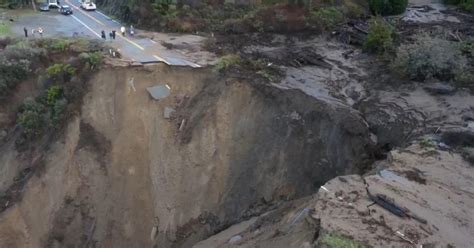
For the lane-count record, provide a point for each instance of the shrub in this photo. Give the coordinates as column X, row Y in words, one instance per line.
column 95, row 59
column 337, row 241
column 52, row 95
column 327, row 18
column 227, row 61
column 63, row 71
column 380, row 37
column 58, row 112
column 32, row 118
column 388, row 7
column 60, row 45
column 429, row 57
column 353, row 10
column 467, row 5
column 11, row 74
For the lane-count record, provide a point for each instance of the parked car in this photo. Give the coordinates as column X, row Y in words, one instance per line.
column 44, row 7
column 65, row 10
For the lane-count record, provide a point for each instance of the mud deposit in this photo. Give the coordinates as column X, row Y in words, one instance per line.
column 125, row 174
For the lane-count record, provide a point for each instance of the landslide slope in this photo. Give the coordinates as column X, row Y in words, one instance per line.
column 123, row 175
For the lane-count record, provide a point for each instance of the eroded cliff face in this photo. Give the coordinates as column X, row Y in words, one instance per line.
column 123, row 175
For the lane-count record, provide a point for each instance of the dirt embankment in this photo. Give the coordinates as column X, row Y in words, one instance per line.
column 433, row 187
column 124, row 175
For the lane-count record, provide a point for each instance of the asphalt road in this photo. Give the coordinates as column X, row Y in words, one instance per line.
column 138, row 49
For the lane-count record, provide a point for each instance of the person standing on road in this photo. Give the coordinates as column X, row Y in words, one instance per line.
column 40, row 31
column 122, row 29
column 113, row 34
column 132, row 30
column 26, row 32
column 103, row 34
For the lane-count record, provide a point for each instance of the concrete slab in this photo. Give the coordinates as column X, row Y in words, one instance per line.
column 159, row 92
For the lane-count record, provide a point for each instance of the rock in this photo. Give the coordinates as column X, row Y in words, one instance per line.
column 440, row 89
column 390, row 122
column 235, row 240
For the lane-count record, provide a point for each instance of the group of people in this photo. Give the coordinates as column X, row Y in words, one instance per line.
column 112, row 34
column 33, row 32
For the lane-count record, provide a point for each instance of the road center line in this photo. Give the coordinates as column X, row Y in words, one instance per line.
column 133, row 43
column 93, row 18
column 85, row 25
column 83, row 12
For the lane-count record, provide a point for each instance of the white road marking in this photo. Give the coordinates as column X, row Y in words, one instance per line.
column 85, row 25
column 152, row 41
column 85, row 13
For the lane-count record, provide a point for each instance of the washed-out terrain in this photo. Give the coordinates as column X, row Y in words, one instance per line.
column 291, row 140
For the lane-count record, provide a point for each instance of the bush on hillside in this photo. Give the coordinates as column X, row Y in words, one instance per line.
column 327, row 18
column 467, row 5
column 62, row 72
column 32, row 118
column 388, row 7
column 11, row 74
column 228, row 61
column 380, row 37
column 430, row 57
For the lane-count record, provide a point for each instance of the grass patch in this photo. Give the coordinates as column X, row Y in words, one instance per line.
column 327, row 18
column 5, row 29
column 336, row 241
column 227, row 61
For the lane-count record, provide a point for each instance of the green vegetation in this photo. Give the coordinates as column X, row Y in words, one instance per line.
column 227, row 61
column 388, row 7
column 60, row 45
column 61, row 71
column 17, row 61
column 467, row 5
column 430, row 57
column 4, row 29
column 33, row 118
column 327, row 18
column 95, row 59
column 426, row 143
column 337, row 241
column 61, row 85
column 53, row 94
column 467, row 48
column 380, row 37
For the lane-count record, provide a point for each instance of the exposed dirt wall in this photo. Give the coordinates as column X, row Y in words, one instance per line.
column 125, row 176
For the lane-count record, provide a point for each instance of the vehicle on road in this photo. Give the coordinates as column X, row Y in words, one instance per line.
column 44, row 7
column 53, row 4
column 88, row 5
column 65, row 10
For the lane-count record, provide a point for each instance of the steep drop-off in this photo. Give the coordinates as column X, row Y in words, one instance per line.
column 123, row 175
